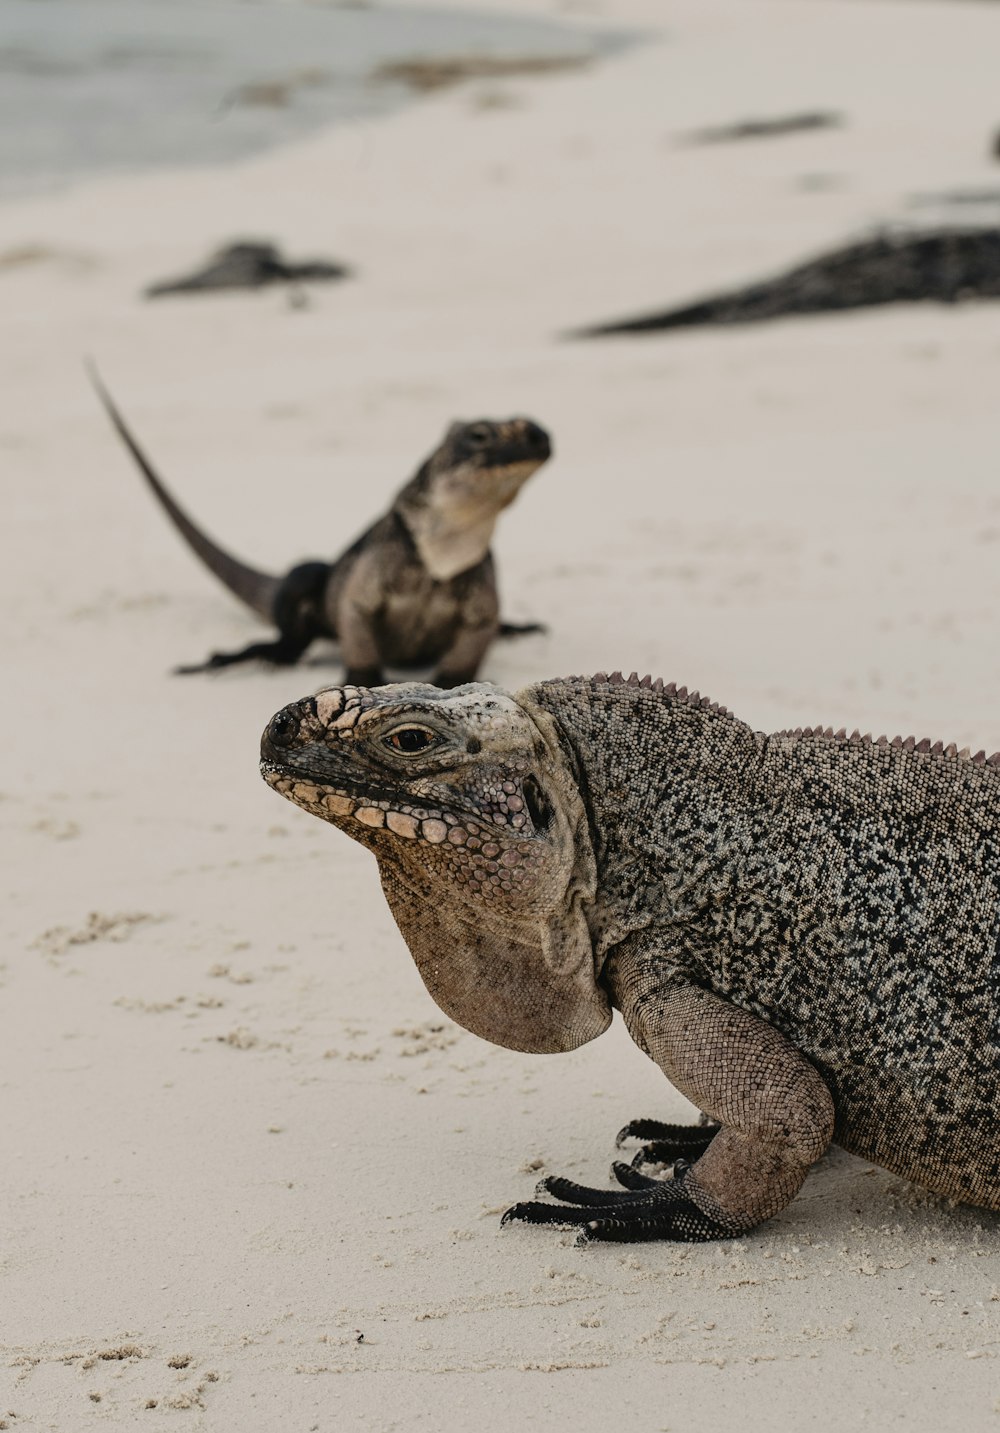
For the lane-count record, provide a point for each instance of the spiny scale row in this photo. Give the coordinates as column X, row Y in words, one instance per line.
column 669, row 689
column 681, row 694
column 908, row 743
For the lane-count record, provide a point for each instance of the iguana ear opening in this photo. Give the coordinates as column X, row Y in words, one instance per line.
column 539, row 807
column 530, row 988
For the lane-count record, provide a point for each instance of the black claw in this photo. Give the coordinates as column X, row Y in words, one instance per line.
column 520, row 629
column 511, row 1214
column 533, row 1212
column 617, row 1231
column 679, row 1221
column 571, row 1193
column 656, row 1132
column 641, row 1208
column 190, row 670
column 629, row 1176
column 664, row 1144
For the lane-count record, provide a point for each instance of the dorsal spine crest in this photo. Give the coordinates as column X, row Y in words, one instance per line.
column 681, row 694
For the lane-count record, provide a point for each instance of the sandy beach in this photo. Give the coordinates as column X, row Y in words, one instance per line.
column 252, row 1178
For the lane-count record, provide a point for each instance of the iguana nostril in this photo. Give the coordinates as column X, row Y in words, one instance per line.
column 537, row 438
column 282, row 729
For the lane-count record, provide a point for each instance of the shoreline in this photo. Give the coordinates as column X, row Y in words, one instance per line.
column 149, row 86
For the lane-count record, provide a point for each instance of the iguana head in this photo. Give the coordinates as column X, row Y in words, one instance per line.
column 453, row 502
column 472, row 813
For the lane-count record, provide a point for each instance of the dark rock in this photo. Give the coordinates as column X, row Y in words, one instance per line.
column 941, row 266
column 766, row 128
column 944, row 198
column 248, row 266
column 429, row 73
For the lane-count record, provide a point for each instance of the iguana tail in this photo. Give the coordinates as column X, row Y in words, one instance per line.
column 256, row 589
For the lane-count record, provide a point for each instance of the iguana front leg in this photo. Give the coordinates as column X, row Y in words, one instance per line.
column 283, row 651
column 353, row 618
column 359, row 648
column 775, row 1112
column 460, row 663
column 478, row 625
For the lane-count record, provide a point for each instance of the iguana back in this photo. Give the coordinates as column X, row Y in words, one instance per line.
column 845, row 890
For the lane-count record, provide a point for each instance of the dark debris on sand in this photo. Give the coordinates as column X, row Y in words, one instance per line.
column 248, row 265
column 427, row 74
column 772, row 128
column 939, row 266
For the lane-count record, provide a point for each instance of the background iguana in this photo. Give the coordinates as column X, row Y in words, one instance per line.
column 950, row 265
column 417, row 589
column 800, row 929
column 248, row 264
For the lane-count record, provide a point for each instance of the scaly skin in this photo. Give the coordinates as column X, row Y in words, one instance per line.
column 417, row 589
column 800, row 929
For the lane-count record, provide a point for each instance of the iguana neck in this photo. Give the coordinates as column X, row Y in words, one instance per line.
column 527, row 982
column 526, row 986
column 662, row 768
column 451, row 514
column 447, row 541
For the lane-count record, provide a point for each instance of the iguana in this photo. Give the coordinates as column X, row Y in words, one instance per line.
column 417, row 588
column 247, row 265
column 949, row 265
column 800, row 929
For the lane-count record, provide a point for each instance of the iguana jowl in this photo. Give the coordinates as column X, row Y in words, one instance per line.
column 800, row 929
column 418, row 589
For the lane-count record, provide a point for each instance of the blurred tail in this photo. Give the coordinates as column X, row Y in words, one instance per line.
column 256, row 589
column 691, row 316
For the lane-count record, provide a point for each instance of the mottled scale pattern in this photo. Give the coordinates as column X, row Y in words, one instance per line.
column 845, row 890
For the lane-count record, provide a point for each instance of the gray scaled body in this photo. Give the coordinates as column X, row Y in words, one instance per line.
column 800, row 929
column 417, row 589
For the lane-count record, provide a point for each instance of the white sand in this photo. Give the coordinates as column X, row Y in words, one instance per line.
column 238, row 1133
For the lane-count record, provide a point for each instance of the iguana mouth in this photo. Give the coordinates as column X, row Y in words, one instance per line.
column 377, row 808
column 274, row 772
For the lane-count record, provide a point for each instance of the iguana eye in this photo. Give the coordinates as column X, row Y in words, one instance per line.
column 410, row 739
column 477, row 435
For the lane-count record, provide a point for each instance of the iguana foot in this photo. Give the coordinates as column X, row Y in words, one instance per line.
column 520, row 629
column 364, row 677
column 646, row 1209
column 447, row 681
column 280, row 653
column 666, row 1143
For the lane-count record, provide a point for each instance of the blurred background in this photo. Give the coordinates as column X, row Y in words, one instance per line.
column 238, row 1131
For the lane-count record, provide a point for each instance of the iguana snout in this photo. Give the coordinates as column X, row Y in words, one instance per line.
column 482, row 465
column 494, row 443
column 482, row 846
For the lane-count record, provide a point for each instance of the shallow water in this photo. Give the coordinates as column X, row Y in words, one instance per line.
column 89, row 85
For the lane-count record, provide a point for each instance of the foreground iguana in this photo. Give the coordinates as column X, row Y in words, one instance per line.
column 800, row 929
column 417, row 589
